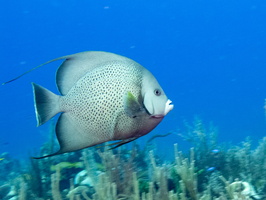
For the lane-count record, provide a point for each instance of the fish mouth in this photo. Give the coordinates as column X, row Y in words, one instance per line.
column 168, row 107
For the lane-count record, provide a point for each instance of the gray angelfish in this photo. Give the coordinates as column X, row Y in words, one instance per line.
column 104, row 97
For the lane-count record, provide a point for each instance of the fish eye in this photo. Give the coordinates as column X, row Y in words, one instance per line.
column 157, row 92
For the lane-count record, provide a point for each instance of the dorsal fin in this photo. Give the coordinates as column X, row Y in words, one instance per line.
column 60, row 58
column 77, row 65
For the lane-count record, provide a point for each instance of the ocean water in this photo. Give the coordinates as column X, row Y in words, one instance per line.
column 209, row 57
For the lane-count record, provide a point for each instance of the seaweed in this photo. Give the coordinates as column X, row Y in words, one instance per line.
column 209, row 170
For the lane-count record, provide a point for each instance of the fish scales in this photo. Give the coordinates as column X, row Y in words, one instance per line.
column 101, row 92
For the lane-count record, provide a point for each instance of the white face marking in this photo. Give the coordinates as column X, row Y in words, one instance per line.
column 155, row 101
column 168, row 107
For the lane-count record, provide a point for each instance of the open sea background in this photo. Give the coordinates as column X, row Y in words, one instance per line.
column 208, row 55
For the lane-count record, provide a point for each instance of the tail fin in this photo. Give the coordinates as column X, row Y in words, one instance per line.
column 46, row 104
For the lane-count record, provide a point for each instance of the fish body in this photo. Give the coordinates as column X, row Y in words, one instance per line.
column 103, row 97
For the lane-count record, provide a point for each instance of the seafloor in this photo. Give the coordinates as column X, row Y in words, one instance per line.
column 209, row 171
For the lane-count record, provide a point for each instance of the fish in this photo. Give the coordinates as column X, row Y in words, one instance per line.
column 215, row 151
column 65, row 165
column 210, row 169
column 103, row 97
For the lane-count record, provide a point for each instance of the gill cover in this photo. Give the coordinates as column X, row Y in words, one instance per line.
column 154, row 98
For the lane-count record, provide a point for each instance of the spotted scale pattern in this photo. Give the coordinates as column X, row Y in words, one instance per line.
column 95, row 103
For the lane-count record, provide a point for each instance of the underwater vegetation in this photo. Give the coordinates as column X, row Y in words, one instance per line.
column 208, row 171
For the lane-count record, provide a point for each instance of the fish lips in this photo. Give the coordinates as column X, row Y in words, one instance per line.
column 168, row 107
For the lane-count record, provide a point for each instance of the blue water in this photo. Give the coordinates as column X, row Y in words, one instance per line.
column 209, row 56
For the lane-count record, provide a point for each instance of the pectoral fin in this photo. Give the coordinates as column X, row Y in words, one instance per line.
column 132, row 106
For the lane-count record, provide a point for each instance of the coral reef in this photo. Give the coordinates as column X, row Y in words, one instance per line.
column 208, row 171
